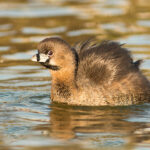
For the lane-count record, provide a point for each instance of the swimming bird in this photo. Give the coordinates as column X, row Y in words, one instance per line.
column 92, row 74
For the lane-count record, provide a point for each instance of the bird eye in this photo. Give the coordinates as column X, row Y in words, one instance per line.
column 50, row 53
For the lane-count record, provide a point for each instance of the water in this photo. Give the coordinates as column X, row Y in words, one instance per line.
column 28, row 118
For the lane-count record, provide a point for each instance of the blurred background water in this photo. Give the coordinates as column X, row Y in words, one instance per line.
column 28, row 118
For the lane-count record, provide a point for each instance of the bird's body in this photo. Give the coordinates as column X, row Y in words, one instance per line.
column 93, row 74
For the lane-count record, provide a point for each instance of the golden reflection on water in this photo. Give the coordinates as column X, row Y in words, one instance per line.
column 96, row 126
column 25, row 113
column 81, row 123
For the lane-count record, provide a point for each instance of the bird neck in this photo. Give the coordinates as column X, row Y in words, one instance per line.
column 63, row 83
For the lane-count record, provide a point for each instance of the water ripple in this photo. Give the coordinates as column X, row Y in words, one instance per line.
column 33, row 12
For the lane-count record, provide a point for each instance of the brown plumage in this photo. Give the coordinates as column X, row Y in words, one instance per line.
column 93, row 74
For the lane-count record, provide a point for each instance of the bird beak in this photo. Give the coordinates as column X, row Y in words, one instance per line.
column 40, row 58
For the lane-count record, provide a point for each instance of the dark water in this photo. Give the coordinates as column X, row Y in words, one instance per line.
column 28, row 119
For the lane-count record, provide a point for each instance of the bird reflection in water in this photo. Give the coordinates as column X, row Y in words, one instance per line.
column 105, row 123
